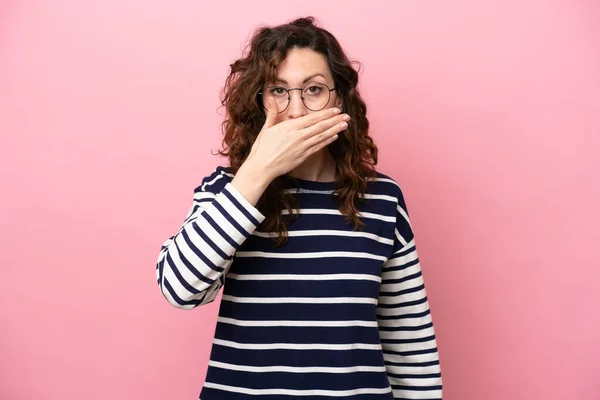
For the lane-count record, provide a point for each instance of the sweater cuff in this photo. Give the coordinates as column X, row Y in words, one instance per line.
column 251, row 212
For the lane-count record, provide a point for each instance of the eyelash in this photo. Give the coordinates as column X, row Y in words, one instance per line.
column 281, row 87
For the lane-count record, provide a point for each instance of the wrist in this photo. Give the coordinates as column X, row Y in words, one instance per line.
column 256, row 173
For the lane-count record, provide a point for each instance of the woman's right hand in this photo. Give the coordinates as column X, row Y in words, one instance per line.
column 281, row 147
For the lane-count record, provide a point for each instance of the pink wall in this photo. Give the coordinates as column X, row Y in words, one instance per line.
column 488, row 115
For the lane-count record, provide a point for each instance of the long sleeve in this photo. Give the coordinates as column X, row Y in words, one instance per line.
column 404, row 319
column 192, row 263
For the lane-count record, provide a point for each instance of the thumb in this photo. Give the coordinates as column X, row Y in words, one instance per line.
column 272, row 111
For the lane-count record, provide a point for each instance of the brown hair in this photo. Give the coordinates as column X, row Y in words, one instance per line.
column 354, row 151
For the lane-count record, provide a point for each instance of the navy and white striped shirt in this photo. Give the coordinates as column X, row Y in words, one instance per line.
column 334, row 313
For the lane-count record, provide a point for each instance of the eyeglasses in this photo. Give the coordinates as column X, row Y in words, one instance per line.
column 315, row 96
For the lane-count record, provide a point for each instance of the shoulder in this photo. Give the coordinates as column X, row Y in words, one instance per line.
column 385, row 184
column 403, row 228
column 216, row 180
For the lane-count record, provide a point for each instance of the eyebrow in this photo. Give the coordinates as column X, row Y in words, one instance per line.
column 304, row 81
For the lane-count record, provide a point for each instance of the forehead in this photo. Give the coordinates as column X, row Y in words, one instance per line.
column 300, row 63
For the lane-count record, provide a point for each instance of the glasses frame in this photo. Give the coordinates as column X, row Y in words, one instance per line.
column 289, row 97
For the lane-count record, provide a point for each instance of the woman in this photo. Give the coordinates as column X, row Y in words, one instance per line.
column 322, row 289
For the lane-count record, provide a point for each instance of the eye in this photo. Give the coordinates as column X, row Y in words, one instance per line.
column 277, row 91
column 313, row 89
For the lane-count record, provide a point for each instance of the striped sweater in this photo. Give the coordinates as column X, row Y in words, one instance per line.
column 334, row 313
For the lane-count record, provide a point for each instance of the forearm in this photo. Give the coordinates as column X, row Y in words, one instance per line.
column 192, row 263
column 406, row 329
column 251, row 181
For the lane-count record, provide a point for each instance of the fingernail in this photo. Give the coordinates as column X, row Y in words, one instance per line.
column 335, row 111
column 346, row 117
column 343, row 125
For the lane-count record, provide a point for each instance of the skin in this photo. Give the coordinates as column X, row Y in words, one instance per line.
column 298, row 65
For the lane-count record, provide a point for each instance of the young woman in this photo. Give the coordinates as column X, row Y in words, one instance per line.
column 323, row 295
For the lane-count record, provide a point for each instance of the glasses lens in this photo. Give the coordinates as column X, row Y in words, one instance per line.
column 316, row 96
column 278, row 95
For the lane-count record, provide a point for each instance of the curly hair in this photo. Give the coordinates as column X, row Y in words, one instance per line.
column 354, row 152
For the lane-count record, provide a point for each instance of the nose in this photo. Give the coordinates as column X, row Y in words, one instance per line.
column 296, row 107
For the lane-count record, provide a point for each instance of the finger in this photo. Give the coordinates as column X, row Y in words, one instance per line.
column 324, row 137
column 319, row 146
column 323, row 126
column 313, row 118
column 272, row 111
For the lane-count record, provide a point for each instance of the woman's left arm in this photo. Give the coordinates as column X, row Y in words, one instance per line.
column 404, row 318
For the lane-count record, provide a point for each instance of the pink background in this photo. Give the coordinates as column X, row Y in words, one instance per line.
column 487, row 114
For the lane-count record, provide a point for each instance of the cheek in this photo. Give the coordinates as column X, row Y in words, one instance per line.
column 334, row 101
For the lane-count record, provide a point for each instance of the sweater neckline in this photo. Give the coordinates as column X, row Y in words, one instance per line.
column 306, row 184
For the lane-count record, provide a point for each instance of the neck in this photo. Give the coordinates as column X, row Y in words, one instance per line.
column 319, row 167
